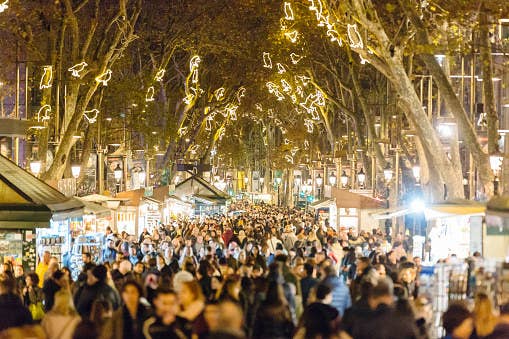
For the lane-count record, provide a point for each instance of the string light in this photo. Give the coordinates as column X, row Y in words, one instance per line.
column 189, row 99
column 46, row 110
column 231, row 111
column 208, row 123
column 258, row 106
column 295, row 58
column 194, row 149
column 354, row 36
column 280, row 68
column 363, row 61
column 294, row 98
column 292, row 36
column 306, row 144
column 77, row 69
column 267, row 61
column 294, row 151
column 318, row 9
column 289, row 158
column 159, row 75
column 277, row 122
column 91, row 115
column 182, row 131
column 104, row 78
column 286, row 141
column 283, row 130
column 300, row 91
column 46, row 78
column 270, row 112
column 286, row 86
column 194, row 62
column 289, row 12
column 303, row 79
column 334, row 36
column 219, row 93
column 241, row 93
column 309, row 125
column 4, row 5
column 274, row 89
column 150, row 94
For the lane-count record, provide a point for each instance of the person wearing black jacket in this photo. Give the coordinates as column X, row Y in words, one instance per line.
column 95, row 289
column 51, row 286
column 12, row 311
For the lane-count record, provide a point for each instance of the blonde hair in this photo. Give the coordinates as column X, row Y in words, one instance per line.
column 63, row 303
column 484, row 318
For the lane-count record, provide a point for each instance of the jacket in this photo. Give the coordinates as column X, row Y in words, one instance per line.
column 341, row 299
column 87, row 294
column 115, row 328
column 12, row 312
column 58, row 326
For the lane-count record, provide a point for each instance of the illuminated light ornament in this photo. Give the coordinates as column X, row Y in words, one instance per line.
column 241, row 93
column 319, row 98
column 300, row 91
column 292, row 36
column 182, row 131
column 306, row 144
column 282, row 22
column 4, row 5
column 150, row 94
column 194, row 62
column 294, row 98
column 206, row 110
column 325, row 22
column 277, row 122
column 286, row 141
column 303, row 79
column 265, row 141
column 77, row 69
column 208, row 123
column 334, row 37
column 354, row 36
column 91, row 115
column 309, row 125
column 280, row 68
column 267, row 61
column 104, row 78
column 363, row 61
column 231, row 111
column 283, row 130
column 286, row 86
column 219, row 93
column 316, row 5
column 270, row 112
column 46, row 78
column 289, row 158
column 44, row 113
column 289, row 12
column 188, row 99
column 194, row 149
column 159, row 75
column 274, row 89
column 194, row 76
column 197, row 91
column 295, row 58
column 259, row 107
column 294, row 151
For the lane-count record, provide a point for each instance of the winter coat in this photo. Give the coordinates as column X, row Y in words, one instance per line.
column 266, row 325
column 57, row 326
column 12, row 312
column 341, row 299
column 87, row 294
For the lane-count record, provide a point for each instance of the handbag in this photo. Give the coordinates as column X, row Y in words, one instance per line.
column 36, row 311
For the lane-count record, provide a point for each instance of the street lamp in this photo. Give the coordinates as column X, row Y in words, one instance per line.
column 319, row 182
column 388, row 172
column 344, row 179
column 495, row 164
column 117, row 172
column 35, row 167
column 142, row 175
column 76, row 170
column 246, row 180
column 361, row 177
column 278, row 183
column 261, row 181
column 332, row 179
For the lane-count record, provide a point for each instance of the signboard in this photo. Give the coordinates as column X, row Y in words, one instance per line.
column 87, row 186
column 111, row 164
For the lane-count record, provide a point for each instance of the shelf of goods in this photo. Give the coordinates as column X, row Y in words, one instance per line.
column 90, row 243
column 53, row 244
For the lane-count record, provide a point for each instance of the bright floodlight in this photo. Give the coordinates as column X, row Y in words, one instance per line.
column 417, row 205
column 76, row 170
column 495, row 162
column 445, row 130
column 35, row 167
column 278, row 181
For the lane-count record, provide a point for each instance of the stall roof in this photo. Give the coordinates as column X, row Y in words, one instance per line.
column 101, row 198
column 135, row 197
column 98, row 210
column 321, row 203
column 197, row 186
column 27, row 202
column 347, row 199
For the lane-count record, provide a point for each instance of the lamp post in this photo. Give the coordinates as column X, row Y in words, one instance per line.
column 361, row 177
column 332, row 179
column 76, row 170
column 416, row 170
column 344, row 179
column 117, row 172
column 142, row 176
column 495, row 164
column 319, row 182
column 388, row 173
column 246, row 181
column 278, row 183
column 296, row 188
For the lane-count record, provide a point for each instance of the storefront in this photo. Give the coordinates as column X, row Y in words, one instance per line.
column 205, row 198
column 138, row 212
column 27, row 205
column 326, row 212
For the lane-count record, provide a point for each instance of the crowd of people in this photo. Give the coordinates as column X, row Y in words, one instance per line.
column 260, row 272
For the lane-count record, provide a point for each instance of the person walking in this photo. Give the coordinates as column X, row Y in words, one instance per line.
column 61, row 321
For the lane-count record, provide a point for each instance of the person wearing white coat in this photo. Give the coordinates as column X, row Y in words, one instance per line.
column 61, row 321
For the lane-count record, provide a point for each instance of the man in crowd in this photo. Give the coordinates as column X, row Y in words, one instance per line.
column 42, row 267
column 164, row 323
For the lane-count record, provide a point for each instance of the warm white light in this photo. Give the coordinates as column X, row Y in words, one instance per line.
column 361, row 176
column 417, row 205
column 117, row 172
column 496, row 162
column 319, row 180
column 35, row 167
column 141, row 177
column 388, row 172
column 344, row 179
column 76, row 170
column 278, row 181
column 416, row 170
column 332, row 179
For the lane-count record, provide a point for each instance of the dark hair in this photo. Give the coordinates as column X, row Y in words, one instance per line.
column 322, row 290
column 34, row 277
column 7, row 283
column 164, row 290
column 309, row 268
column 86, row 329
column 58, row 274
column 131, row 283
column 87, row 254
column 455, row 314
column 384, row 287
column 364, row 260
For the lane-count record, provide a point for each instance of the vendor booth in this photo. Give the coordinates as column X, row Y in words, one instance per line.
column 173, row 208
column 326, row 212
column 354, row 210
column 496, row 233
column 27, row 204
column 138, row 212
column 206, row 198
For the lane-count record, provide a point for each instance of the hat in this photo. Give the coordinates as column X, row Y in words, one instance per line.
column 100, row 272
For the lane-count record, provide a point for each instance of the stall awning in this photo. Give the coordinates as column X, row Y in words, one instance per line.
column 27, row 202
column 209, row 200
column 441, row 210
column 96, row 209
column 347, row 199
column 324, row 203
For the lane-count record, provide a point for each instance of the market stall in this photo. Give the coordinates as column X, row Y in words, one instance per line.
column 206, row 198
column 27, row 204
column 138, row 212
column 326, row 212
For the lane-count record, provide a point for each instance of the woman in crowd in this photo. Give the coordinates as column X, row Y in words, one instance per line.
column 127, row 321
column 457, row 322
column 192, row 303
column 33, row 296
column 273, row 318
column 230, row 289
column 61, row 321
column 485, row 319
